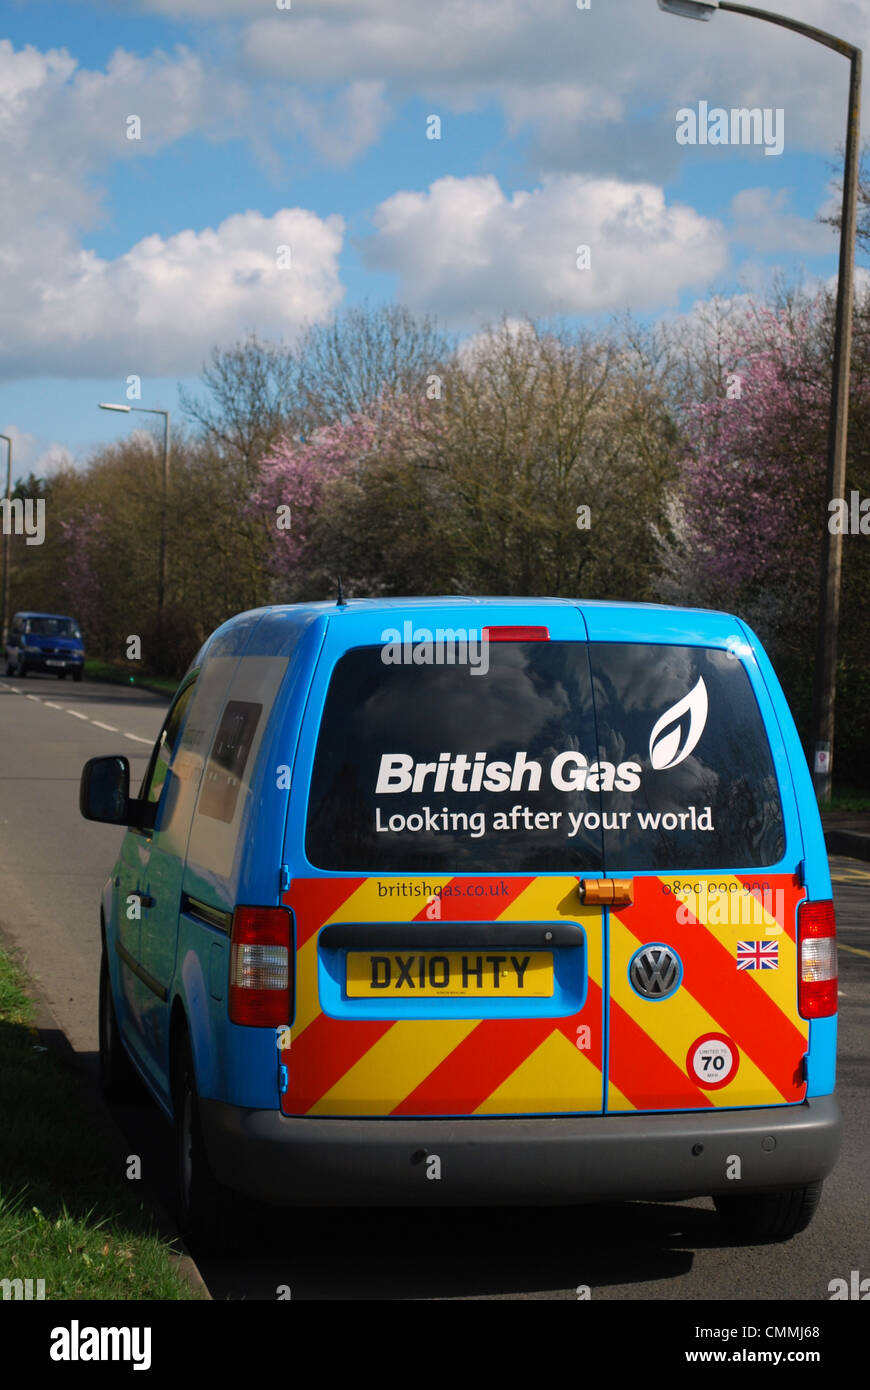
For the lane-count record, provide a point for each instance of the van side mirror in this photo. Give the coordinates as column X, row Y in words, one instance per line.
column 105, row 790
column 104, row 793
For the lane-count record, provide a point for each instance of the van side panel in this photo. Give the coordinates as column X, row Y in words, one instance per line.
column 822, row 1053
column 235, row 847
column 817, row 873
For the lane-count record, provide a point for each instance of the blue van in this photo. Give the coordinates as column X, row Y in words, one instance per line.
column 50, row 642
column 476, row 900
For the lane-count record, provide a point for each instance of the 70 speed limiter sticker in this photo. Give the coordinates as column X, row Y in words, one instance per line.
column 712, row 1061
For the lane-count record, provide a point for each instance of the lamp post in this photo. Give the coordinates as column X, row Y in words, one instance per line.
column 161, row 581
column 7, row 529
column 825, row 684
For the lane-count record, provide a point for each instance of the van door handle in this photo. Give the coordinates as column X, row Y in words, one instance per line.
column 145, row 898
column 606, row 892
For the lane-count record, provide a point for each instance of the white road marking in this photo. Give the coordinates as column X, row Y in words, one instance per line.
column 50, row 704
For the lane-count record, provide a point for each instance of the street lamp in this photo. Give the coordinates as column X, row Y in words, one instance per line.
column 161, row 583
column 825, row 685
column 7, row 536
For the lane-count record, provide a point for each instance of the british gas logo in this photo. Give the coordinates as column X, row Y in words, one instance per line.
column 674, row 736
column 568, row 771
column 668, row 745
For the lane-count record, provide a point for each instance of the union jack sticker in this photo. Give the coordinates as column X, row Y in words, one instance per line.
column 758, row 955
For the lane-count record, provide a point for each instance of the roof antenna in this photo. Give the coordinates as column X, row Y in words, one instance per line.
column 341, row 600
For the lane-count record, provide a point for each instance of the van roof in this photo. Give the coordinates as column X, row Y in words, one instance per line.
column 35, row 613
column 604, row 620
column 465, row 601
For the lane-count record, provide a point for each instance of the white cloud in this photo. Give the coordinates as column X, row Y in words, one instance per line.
column 763, row 221
column 166, row 301
column 163, row 303
column 465, row 249
column 596, row 89
column 339, row 128
column 569, row 75
column 30, row 454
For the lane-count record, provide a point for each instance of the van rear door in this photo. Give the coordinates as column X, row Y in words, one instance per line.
column 703, row 964
column 433, row 978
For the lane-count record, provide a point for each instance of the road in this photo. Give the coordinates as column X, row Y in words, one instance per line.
column 52, row 867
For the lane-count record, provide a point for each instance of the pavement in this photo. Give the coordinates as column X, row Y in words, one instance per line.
column 847, row 832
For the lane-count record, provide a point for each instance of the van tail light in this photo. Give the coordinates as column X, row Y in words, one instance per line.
column 817, row 947
column 260, row 980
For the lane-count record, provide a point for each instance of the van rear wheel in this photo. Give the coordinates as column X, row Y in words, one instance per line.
column 205, row 1206
column 769, row 1216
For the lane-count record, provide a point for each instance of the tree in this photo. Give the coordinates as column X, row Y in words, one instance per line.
column 751, row 502
column 477, row 488
column 862, row 222
column 350, row 500
column 252, row 392
column 364, row 355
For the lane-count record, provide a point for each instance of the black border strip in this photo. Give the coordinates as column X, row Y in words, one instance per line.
column 465, row 935
column 141, row 973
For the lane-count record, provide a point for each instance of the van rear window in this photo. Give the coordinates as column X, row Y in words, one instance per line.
column 707, row 795
column 452, row 769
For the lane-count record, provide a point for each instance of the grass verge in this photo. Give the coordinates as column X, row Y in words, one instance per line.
column 68, row 1216
column 848, row 801
column 127, row 673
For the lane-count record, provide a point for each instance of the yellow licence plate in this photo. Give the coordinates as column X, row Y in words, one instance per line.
column 426, row 974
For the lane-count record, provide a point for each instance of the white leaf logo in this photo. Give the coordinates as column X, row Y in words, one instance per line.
column 664, row 741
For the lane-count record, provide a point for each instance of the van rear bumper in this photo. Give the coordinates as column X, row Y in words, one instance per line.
column 293, row 1161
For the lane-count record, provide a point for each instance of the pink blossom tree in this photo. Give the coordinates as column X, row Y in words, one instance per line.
column 313, row 476
column 753, row 482
column 81, row 582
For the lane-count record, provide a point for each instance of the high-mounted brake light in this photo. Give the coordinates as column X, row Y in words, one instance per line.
column 817, row 959
column 260, row 980
column 517, row 634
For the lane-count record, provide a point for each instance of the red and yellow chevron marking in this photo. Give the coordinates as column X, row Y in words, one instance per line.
column 444, row 1066
column 756, row 1008
column 498, row 1066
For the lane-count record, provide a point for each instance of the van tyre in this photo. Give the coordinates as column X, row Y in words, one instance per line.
column 77, row 675
column 205, row 1206
column 118, row 1080
column 771, row 1215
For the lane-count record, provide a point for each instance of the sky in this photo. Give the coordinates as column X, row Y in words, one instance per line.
column 175, row 174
